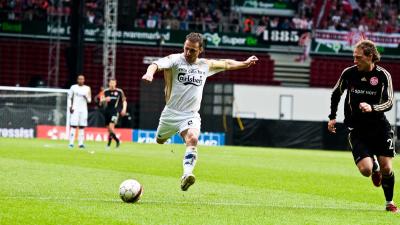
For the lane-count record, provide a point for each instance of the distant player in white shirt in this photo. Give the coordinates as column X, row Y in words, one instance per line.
column 78, row 97
column 185, row 75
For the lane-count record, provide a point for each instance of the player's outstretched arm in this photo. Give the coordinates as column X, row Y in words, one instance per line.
column 229, row 64
column 151, row 70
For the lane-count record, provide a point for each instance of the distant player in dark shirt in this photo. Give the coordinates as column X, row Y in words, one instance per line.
column 369, row 95
column 115, row 106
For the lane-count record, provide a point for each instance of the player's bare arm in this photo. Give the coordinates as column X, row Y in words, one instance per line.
column 229, row 64
column 124, row 104
column 151, row 70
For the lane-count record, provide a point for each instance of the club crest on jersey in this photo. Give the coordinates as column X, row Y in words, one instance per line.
column 190, row 79
column 373, row 81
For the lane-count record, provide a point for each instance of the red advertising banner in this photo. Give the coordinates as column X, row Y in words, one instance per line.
column 91, row 133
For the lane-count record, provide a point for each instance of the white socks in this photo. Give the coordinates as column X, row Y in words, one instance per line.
column 189, row 161
column 71, row 135
column 81, row 136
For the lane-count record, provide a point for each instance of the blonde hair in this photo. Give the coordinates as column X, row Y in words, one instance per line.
column 369, row 48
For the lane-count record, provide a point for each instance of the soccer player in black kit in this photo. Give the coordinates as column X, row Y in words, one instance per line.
column 115, row 101
column 369, row 95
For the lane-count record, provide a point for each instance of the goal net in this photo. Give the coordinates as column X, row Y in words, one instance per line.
column 21, row 109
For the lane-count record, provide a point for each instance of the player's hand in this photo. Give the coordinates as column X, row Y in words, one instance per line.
column 147, row 78
column 107, row 99
column 251, row 60
column 331, row 126
column 365, row 107
column 123, row 113
column 71, row 110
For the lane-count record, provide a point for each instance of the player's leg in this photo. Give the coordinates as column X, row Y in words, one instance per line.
column 385, row 161
column 365, row 166
column 111, row 130
column 190, row 132
column 388, row 181
column 111, row 120
column 74, row 122
column 361, row 155
column 107, row 117
column 81, row 137
column 82, row 125
column 368, row 166
column 191, row 138
column 111, row 133
column 114, row 122
column 72, row 131
column 365, row 161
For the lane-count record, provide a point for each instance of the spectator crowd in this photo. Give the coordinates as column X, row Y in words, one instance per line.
column 220, row 15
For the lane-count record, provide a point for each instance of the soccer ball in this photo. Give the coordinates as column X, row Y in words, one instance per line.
column 130, row 191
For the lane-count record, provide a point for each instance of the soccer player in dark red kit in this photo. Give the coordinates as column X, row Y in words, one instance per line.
column 369, row 95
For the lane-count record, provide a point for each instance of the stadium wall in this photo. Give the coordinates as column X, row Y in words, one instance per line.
column 264, row 122
column 308, row 104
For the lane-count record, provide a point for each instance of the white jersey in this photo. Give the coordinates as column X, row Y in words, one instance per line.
column 187, row 81
column 79, row 96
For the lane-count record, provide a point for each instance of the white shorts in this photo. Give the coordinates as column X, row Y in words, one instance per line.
column 79, row 119
column 172, row 122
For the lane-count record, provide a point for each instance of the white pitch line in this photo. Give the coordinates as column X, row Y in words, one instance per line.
column 247, row 204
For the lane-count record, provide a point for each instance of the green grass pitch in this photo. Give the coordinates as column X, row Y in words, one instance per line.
column 42, row 182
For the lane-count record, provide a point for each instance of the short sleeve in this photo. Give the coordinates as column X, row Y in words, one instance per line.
column 214, row 71
column 165, row 62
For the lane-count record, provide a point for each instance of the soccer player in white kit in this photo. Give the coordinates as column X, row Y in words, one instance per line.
column 78, row 97
column 185, row 75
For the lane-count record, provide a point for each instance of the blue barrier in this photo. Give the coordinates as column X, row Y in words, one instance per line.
column 206, row 138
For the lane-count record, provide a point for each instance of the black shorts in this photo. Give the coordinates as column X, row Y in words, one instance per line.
column 370, row 141
column 111, row 116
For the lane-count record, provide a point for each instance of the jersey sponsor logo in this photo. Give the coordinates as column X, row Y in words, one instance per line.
column 373, row 81
column 190, row 79
column 362, row 92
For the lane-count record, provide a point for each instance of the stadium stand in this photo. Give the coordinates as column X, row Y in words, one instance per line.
column 215, row 15
column 37, row 10
column 374, row 16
